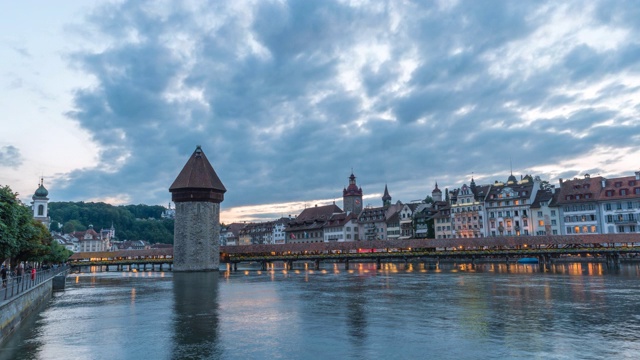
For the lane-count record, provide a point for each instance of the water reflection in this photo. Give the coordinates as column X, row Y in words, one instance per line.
column 196, row 324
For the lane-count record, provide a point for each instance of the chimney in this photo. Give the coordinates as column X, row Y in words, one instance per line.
column 560, row 181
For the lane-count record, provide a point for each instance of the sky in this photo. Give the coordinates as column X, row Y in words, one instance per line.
column 106, row 100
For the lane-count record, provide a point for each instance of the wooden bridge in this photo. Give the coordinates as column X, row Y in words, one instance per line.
column 610, row 248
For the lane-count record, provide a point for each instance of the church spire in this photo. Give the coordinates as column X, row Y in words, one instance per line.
column 386, row 198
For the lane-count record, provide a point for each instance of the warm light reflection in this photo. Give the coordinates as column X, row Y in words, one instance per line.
column 246, row 272
column 133, row 296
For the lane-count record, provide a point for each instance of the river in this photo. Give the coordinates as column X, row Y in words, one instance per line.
column 450, row 311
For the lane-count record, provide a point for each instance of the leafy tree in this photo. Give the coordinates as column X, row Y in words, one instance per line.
column 35, row 242
column 10, row 219
column 56, row 253
column 73, row 225
column 428, row 200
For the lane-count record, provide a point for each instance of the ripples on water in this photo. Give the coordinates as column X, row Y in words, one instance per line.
column 452, row 311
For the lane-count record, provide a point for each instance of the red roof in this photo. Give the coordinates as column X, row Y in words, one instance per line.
column 198, row 174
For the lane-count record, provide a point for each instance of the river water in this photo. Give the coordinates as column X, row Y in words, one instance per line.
column 452, row 311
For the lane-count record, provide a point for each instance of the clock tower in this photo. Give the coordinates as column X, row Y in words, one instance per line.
column 352, row 197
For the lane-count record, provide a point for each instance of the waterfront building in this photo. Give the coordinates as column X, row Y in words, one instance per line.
column 545, row 213
column 229, row 234
column 508, row 206
column 40, row 204
column 578, row 202
column 619, row 204
column 423, row 221
column 279, row 227
column 380, row 223
column 257, row 233
column 90, row 240
column 341, row 227
column 467, row 212
column 308, row 227
column 352, row 197
column 442, row 217
column 406, row 221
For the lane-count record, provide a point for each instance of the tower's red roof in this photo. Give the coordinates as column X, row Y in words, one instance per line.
column 198, row 174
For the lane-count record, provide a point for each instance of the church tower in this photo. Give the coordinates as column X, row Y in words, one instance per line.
column 41, row 204
column 386, row 198
column 436, row 194
column 197, row 193
column 352, row 197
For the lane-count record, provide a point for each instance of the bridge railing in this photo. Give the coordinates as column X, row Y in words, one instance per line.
column 15, row 285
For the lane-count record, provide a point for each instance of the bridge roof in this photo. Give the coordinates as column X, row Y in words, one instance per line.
column 122, row 253
column 503, row 241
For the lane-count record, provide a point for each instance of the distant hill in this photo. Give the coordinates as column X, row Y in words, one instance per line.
column 131, row 222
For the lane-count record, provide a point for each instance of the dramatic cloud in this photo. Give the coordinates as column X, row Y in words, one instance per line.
column 286, row 97
column 10, row 156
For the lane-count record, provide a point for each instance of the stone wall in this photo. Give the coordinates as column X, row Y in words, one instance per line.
column 14, row 311
column 196, row 244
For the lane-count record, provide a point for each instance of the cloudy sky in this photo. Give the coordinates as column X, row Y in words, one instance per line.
column 107, row 100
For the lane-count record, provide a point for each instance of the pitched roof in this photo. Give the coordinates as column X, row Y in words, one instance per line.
column 577, row 190
column 198, row 173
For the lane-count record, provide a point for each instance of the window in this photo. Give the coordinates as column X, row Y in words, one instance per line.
column 609, row 193
column 540, row 222
column 525, row 222
column 553, row 213
column 540, row 213
column 607, row 206
column 619, row 206
column 555, row 232
column 620, row 229
column 40, row 210
column 623, row 192
column 609, row 218
column 629, row 205
column 576, row 229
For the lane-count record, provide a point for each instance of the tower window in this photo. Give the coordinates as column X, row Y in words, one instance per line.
column 40, row 210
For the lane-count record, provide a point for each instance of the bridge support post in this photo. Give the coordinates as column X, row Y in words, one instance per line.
column 289, row 264
column 235, row 266
column 346, row 264
column 160, row 267
column 317, row 264
column 378, row 264
column 263, row 265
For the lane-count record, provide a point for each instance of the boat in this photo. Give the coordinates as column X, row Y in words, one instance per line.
column 528, row 260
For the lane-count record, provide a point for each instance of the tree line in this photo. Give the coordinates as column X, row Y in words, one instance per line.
column 131, row 222
column 22, row 238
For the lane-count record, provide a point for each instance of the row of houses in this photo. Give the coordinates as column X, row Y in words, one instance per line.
column 517, row 207
column 99, row 241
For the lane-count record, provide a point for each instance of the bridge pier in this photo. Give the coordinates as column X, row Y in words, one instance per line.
column 289, row 264
column 346, row 264
column 263, row 265
column 378, row 264
column 317, row 264
column 235, row 266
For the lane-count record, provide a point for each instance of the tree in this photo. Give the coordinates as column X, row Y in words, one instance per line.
column 72, row 226
column 428, row 200
column 9, row 222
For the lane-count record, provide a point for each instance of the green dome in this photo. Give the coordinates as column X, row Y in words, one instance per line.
column 41, row 192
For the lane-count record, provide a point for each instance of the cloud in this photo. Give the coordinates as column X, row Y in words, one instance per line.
column 10, row 157
column 287, row 97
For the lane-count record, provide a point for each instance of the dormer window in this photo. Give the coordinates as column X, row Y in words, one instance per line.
column 623, row 192
column 586, row 186
column 609, row 193
column 618, row 184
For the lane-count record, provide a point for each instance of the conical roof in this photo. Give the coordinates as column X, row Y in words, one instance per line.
column 386, row 195
column 197, row 179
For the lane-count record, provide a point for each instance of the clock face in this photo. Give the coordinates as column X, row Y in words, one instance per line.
column 357, row 201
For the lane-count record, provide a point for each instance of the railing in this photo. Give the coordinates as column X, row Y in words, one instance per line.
column 14, row 285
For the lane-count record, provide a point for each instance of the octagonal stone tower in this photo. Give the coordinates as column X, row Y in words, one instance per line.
column 197, row 193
